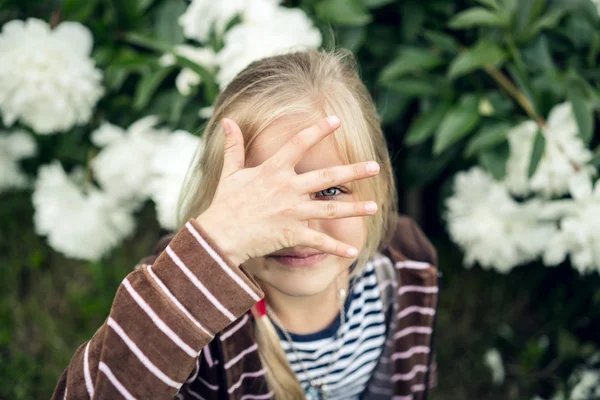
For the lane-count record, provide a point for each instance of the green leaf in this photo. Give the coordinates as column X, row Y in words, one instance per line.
column 167, row 28
column 583, row 113
column 208, row 81
column 548, row 21
column 351, row 38
column 458, row 122
column 343, row 12
column 443, row 41
column 377, row 3
column 539, row 146
column 391, row 105
column 476, row 16
column 486, row 137
column 413, row 86
column 148, row 42
column 494, row 160
column 411, row 59
column 490, row 3
column 425, row 125
column 483, row 53
column 148, row 86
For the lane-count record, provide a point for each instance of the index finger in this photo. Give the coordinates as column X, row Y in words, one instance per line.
column 292, row 152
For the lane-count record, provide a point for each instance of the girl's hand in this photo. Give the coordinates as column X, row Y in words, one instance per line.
column 257, row 211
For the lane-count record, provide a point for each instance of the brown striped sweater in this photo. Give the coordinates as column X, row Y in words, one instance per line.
column 179, row 327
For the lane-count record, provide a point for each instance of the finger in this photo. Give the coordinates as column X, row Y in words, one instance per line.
column 234, row 148
column 320, row 241
column 335, row 209
column 322, row 179
column 291, row 153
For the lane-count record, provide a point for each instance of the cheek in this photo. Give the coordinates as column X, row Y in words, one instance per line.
column 348, row 230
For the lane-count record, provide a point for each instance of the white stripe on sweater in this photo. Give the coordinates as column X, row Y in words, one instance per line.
column 244, row 376
column 167, row 292
column 411, row 264
column 192, row 378
column 221, row 263
column 194, row 394
column 86, row 372
column 417, row 309
column 409, row 397
column 208, row 356
column 410, row 375
column 424, row 330
column 160, row 324
column 410, row 352
column 199, row 284
column 418, row 289
column 257, row 396
column 141, row 356
column 234, row 329
column 242, row 353
column 208, row 385
column 113, row 379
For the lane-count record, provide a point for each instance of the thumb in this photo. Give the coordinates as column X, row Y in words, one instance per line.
column 234, row 148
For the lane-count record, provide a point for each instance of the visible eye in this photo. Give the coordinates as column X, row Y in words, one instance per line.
column 330, row 192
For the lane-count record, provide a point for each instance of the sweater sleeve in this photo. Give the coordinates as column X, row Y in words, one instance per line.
column 162, row 316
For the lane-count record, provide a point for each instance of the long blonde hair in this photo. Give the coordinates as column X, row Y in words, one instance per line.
column 311, row 85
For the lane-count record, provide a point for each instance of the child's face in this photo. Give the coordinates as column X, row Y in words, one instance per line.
column 277, row 272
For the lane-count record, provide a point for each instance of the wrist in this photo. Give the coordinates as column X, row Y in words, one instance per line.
column 224, row 240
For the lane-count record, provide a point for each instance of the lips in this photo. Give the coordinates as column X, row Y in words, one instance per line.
column 300, row 253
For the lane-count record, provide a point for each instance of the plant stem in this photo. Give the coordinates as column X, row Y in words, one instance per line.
column 520, row 98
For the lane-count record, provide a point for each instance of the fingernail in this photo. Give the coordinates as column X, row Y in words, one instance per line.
column 372, row 167
column 351, row 252
column 371, row 207
column 225, row 126
column 333, row 121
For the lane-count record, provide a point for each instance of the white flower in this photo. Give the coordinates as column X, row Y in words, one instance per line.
column 579, row 234
column 83, row 225
column 564, row 156
column 13, row 147
column 204, row 16
column 491, row 227
column 493, row 360
column 188, row 78
column 169, row 167
column 122, row 166
column 206, row 112
column 47, row 79
column 587, row 385
column 597, row 4
column 267, row 31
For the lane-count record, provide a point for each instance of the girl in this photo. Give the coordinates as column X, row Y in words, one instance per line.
column 293, row 200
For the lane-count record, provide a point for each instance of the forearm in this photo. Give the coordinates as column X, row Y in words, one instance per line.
column 161, row 318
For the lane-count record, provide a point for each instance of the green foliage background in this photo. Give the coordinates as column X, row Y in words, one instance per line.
column 449, row 78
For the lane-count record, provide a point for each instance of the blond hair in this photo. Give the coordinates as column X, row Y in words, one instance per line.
column 310, row 85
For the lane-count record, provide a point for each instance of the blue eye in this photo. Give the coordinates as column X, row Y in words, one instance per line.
column 330, row 192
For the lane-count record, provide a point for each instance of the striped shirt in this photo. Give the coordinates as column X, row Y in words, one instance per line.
column 355, row 350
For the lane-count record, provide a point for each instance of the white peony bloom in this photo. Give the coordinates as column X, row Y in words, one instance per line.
column 267, row 31
column 587, row 385
column 169, row 167
column 206, row 112
column 565, row 154
column 14, row 146
column 188, row 78
column 491, row 227
column 80, row 224
column 493, row 360
column 47, row 78
column 597, row 4
column 204, row 16
column 579, row 234
column 122, row 166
